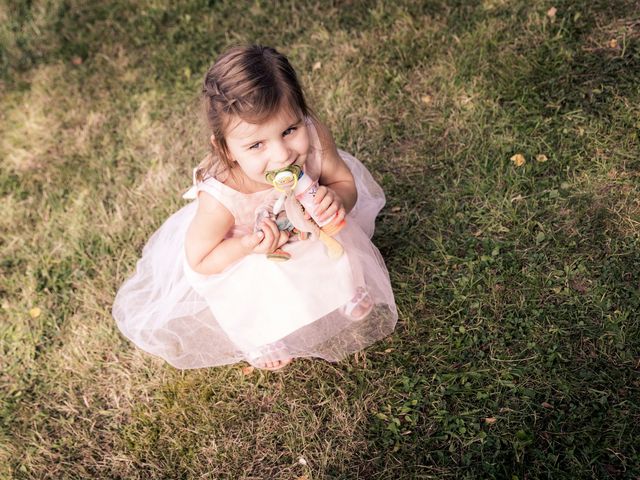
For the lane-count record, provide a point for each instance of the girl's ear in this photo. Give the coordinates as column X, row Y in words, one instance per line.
column 213, row 140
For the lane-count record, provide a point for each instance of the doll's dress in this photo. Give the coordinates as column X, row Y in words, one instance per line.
column 258, row 309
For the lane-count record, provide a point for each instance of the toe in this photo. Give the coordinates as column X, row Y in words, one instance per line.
column 275, row 365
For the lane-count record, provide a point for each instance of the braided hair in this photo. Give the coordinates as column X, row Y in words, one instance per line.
column 251, row 83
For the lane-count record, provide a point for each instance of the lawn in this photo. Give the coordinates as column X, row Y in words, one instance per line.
column 505, row 135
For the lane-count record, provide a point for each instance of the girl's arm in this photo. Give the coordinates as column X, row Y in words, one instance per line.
column 209, row 252
column 336, row 176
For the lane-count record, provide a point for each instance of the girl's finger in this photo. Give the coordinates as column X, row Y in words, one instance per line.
column 322, row 206
column 320, row 194
column 329, row 212
column 284, row 238
column 271, row 225
column 268, row 237
column 276, row 236
column 250, row 242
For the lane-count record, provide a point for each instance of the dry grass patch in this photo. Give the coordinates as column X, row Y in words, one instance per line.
column 613, row 199
column 30, row 127
column 246, row 425
column 88, row 398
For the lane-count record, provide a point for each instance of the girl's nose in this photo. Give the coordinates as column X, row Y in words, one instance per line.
column 281, row 154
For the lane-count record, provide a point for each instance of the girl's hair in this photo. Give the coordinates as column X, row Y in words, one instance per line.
column 251, row 83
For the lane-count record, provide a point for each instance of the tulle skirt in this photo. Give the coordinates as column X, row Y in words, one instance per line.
column 258, row 310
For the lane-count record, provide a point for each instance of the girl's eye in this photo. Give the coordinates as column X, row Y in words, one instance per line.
column 289, row 131
column 255, row 146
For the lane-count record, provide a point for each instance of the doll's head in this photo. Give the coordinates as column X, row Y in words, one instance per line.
column 253, row 84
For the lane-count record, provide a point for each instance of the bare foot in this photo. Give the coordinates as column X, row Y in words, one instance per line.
column 274, row 365
column 359, row 306
column 270, row 357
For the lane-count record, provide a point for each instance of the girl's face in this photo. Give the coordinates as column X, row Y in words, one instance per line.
column 276, row 143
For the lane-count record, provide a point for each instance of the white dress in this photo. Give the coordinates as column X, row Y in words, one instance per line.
column 258, row 309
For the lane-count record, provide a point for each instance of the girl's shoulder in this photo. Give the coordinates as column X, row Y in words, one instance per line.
column 321, row 145
column 217, row 192
column 321, row 138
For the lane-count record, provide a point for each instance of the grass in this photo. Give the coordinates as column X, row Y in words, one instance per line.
column 517, row 352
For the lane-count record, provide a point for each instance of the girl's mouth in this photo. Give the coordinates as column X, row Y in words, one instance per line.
column 284, row 179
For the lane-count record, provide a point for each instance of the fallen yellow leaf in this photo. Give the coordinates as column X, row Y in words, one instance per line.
column 76, row 60
column 248, row 370
column 35, row 312
column 541, row 158
column 490, row 420
column 518, row 160
column 426, row 99
column 551, row 13
column 317, row 66
column 613, row 43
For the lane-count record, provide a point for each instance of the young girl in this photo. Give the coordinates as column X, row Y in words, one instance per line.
column 207, row 290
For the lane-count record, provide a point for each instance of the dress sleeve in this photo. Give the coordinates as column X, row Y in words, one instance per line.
column 213, row 188
column 192, row 193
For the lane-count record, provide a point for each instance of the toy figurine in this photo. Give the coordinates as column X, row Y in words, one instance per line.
column 297, row 192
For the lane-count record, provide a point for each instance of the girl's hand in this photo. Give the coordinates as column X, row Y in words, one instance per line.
column 266, row 240
column 328, row 204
